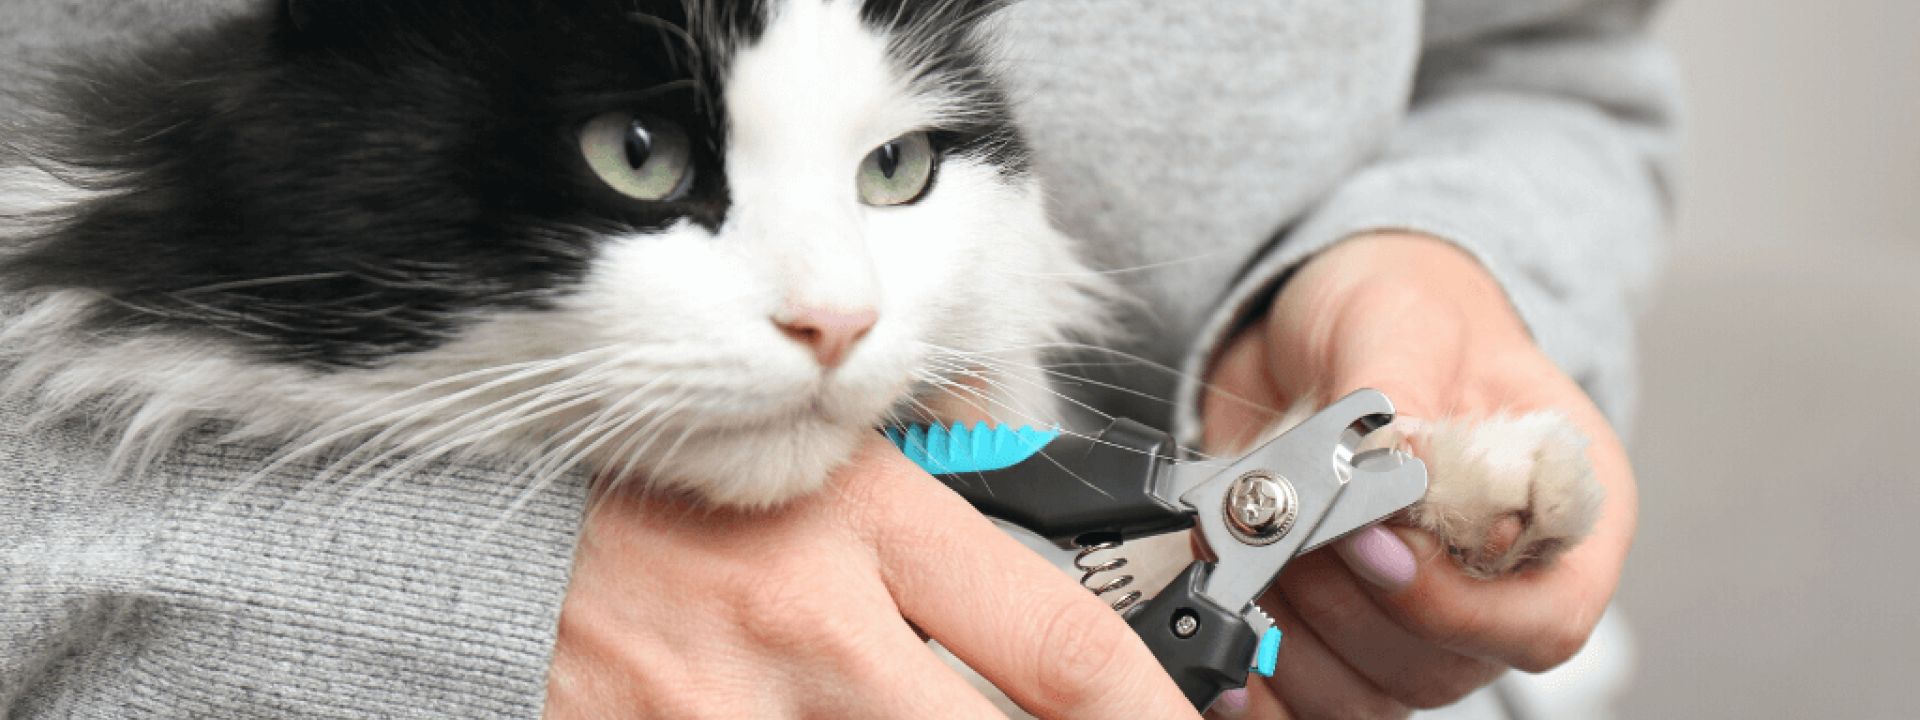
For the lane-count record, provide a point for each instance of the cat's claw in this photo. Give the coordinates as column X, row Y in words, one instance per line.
column 1505, row 494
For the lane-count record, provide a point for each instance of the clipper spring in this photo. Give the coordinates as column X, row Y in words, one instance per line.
column 1080, row 561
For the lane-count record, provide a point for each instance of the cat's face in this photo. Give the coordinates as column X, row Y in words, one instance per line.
column 707, row 243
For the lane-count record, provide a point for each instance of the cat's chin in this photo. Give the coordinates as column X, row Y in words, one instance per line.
column 750, row 466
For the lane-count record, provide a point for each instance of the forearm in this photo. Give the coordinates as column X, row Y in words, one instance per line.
column 1546, row 151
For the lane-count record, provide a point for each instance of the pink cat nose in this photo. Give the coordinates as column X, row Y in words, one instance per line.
column 829, row 332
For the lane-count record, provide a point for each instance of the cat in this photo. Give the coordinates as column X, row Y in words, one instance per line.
column 701, row 246
column 709, row 245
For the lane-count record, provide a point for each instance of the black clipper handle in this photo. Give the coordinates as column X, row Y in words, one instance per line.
column 1205, row 647
column 1111, row 483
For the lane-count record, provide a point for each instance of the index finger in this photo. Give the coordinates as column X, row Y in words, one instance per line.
column 1054, row 648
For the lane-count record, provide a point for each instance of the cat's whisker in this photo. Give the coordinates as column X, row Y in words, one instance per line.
column 333, row 432
column 1134, row 360
column 983, row 377
column 686, row 432
column 542, row 467
column 400, row 420
column 1194, row 259
column 617, row 475
column 438, row 441
column 257, row 282
column 368, row 375
column 990, row 358
column 598, row 430
column 617, row 479
column 392, row 426
column 1058, row 428
column 1080, row 379
column 950, row 386
column 667, row 29
column 428, row 453
column 627, row 454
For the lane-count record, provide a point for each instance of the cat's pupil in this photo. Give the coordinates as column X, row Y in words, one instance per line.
column 639, row 144
column 889, row 159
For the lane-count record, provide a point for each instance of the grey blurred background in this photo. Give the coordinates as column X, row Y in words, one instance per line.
column 1774, row 575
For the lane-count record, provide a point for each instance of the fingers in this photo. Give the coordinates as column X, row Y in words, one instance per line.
column 1049, row 644
column 1256, row 700
column 1420, row 321
column 1538, row 619
column 1532, row 621
column 891, row 676
column 688, row 612
column 1319, row 590
column 1241, row 399
column 1313, row 680
column 1345, row 657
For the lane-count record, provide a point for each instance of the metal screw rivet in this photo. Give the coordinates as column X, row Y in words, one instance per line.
column 1185, row 624
column 1260, row 507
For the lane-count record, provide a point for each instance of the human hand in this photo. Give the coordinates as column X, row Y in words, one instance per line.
column 681, row 611
column 1422, row 321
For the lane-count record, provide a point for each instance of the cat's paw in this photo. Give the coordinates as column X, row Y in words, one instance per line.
column 1504, row 494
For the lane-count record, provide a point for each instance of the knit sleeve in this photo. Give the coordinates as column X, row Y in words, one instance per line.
column 202, row 587
column 1542, row 138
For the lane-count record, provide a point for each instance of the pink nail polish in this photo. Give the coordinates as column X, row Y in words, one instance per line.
column 1379, row 556
column 1231, row 703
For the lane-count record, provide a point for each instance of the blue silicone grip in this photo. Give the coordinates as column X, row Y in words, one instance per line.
column 1268, row 655
column 959, row 449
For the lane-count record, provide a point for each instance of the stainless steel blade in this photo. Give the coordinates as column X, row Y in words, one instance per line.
column 1316, row 459
column 1384, row 482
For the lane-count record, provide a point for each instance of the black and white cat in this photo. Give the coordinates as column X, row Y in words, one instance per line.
column 711, row 244
column 700, row 244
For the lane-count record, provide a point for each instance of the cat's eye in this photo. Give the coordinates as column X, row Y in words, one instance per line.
column 643, row 157
column 897, row 172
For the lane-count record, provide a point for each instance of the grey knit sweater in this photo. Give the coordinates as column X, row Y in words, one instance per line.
column 1202, row 148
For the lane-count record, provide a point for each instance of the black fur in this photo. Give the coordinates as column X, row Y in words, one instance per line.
column 940, row 38
column 335, row 182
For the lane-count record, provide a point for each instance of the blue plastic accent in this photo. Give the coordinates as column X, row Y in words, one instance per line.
column 1268, row 655
column 957, row 449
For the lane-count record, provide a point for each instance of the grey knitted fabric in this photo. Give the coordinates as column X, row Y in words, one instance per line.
column 1206, row 151
column 1202, row 149
column 200, row 589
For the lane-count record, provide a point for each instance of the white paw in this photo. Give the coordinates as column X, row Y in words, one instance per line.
column 1504, row 494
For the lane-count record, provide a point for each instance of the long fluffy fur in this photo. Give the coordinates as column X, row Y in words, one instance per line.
column 577, row 329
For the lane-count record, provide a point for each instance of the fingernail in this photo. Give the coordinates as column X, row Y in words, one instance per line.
column 1379, row 556
column 1231, row 703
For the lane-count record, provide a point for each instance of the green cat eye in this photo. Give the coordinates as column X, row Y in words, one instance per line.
column 896, row 172
column 643, row 157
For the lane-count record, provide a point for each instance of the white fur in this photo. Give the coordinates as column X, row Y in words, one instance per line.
column 25, row 190
column 1529, row 471
column 665, row 367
